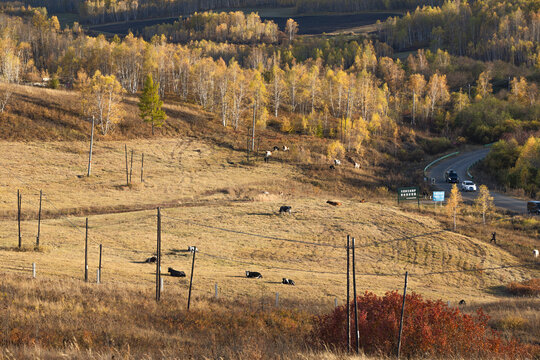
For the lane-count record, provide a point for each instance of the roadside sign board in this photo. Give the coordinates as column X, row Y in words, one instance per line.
column 438, row 196
column 408, row 193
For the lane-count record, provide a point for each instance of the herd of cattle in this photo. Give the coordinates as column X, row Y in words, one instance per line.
column 249, row 274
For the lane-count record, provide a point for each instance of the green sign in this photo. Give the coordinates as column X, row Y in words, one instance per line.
column 409, row 193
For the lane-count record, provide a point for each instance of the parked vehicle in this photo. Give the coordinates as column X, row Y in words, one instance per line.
column 468, row 185
column 533, row 207
column 451, row 176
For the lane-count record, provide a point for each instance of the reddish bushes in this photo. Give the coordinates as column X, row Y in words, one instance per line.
column 525, row 288
column 430, row 329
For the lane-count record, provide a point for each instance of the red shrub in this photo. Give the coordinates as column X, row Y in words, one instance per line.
column 430, row 328
column 525, row 288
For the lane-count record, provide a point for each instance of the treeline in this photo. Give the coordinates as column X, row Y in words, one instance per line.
column 489, row 30
column 235, row 27
column 515, row 165
column 371, row 97
column 99, row 11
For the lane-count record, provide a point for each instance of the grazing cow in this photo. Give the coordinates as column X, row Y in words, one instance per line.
column 253, row 275
column 356, row 165
column 462, row 302
column 285, row 209
column 176, row 273
column 332, row 167
column 337, row 162
column 288, row 281
column 276, row 148
column 152, row 259
column 267, row 156
column 285, row 148
column 363, row 201
column 333, row 203
column 535, row 253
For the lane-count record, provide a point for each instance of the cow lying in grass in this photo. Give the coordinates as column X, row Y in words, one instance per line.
column 176, row 273
column 288, row 281
column 253, row 275
column 152, row 259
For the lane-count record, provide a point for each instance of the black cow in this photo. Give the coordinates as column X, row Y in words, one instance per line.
column 152, row 259
column 462, row 302
column 288, row 281
column 276, row 148
column 176, row 273
column 285, row 209
column 253, row 274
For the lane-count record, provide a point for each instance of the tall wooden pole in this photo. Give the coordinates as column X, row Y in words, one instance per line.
column 142, row 167
column 253, row 130
column 355, row 300
column 131, row 167
column 402, row 314
column 127, row 170
column 191, row 279
column 348, row 296
column 86, row 253
column 19, row 203
column 39, row 218
column 91, row 146
column 158, row 256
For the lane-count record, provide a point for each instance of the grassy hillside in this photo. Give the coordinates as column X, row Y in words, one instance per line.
column 213, row 199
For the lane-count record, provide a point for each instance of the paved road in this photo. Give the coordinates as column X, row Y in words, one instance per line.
column 460, row 163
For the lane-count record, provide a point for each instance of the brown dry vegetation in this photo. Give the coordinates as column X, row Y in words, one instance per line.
column 212, row 199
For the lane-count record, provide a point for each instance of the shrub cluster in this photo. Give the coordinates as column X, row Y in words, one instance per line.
column 431, row 328
column 525, row 288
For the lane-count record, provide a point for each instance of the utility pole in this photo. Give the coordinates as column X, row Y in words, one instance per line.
column 355, row 300
column 253, row 130
column 91, row 146
column 191, row 279
column 86, row 253
column 19, row 204
column 39, row 218
column 402, row 314
column 158, row 256
column 348, row 296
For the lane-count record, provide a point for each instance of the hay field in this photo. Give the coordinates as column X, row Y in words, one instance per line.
column 213, row 201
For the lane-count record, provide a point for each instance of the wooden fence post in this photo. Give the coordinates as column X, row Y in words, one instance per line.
column 348, row 296
column 127, row 172
column 277, row 299
column 39, row 219
column 191, row 279
column 34, row 270
column 402, row 315
column 142, row 167
column 131, row 167
column 86, row 253
column 158, row 255
column 355, row 299
column 19, row 204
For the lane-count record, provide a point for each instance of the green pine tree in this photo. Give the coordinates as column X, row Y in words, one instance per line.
column 150, row 104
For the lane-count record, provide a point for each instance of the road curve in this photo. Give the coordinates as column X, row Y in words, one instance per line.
column 461, row 163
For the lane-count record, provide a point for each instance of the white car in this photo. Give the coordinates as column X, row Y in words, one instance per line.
column 468, row 186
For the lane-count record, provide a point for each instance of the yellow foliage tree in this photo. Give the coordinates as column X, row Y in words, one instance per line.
column 335, row 149
column 104, row 94
column 453, row 206
column 484, row 202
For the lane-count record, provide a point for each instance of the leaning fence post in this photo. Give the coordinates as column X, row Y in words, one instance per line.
column 402, row 313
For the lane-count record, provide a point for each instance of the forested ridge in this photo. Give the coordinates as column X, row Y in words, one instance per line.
column 99, row 11
column 485, row 29
column 349, row 91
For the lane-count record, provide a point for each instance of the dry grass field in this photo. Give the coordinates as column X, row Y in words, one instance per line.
column 213, row 199
column 230, row 212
